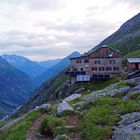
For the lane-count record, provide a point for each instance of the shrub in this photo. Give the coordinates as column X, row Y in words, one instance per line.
column 48, row 126
column 121, row 84
column 68, row 113
column 131, row 84
column 133, row 96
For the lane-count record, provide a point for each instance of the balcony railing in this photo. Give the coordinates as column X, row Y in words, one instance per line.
column 74, row 73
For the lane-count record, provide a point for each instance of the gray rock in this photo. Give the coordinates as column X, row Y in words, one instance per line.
column 133, row 80
column 60, row 137
column 95, row 95
column 64, row 106
column 79, row 105
column 79, row 91
column 43, row 106
column 130, row 118
column 128, row 128
column 72, row 97
column 126, row 98
column 137, row 87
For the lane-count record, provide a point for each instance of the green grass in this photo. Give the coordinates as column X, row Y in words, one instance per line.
column 18, row 131
column 103, row 115
column 49, row 124
column 121, row 84
column 4, row 122
column 126, row 44
column 97, row 85
column 59, row 80
column 131, row 55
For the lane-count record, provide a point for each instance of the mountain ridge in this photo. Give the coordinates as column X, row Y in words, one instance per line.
column 15, row 87
column 53, row 71
column 24, row 64
column 48, row 63
column 126, row 38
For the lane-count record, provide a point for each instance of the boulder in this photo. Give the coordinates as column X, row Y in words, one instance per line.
column 126, row 98
column 43, row 106
column 134, row 81
column 128, row 128
column 129, row 118
column 80, row 104
column 62, row 137
column 64, row 106
column 79, row 91
column 72, row 97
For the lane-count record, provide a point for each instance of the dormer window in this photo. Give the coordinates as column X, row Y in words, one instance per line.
column 86, row 61
column 79, row 61
column 97, row 61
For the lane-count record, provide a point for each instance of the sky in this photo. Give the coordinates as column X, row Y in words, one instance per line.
column 50, row 29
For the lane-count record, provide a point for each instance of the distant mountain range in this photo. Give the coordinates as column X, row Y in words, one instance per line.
column 31, row 68
column 49, row 63
column 126, row 38
column 39, row 71
column 15, row 87
column 53, row 71
column 17, row 75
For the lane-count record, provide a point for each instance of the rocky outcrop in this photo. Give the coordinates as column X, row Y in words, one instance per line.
column 43, row 106
column 62, row 107
column 94, row 96
column 128, row 128
column 134, row 81
column 72, row 97
column 62, row 137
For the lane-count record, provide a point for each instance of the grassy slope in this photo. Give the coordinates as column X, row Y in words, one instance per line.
column 132, row 55
column 126, row 44
column 103, row 115
column 18, row 131
column 96, row 124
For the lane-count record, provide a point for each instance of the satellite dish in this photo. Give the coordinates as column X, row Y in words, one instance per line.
column 111, row 54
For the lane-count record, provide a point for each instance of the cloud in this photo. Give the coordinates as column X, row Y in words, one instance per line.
column 39, row 29
column 36, row 4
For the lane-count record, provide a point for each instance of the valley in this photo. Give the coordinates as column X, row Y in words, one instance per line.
column 99, row 98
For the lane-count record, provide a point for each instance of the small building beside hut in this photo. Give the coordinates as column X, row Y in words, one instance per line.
column 133, row 64
column 102, row 63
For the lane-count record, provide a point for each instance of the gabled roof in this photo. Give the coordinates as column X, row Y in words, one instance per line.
column 104, row 46
column 94, row 50
column 133, row 60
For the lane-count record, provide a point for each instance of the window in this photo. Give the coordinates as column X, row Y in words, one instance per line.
column 74, row 69
column 94, row 68
column 108, row 68
column 112, row 61
column 115, row 68
column 97, row 61
column 101, row 68
column 81, row 69
column 86, row 61
column 79, row 61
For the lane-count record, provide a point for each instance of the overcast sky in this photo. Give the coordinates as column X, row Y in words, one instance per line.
column 50, row 29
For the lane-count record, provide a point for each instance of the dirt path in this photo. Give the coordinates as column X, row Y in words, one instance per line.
column 11, row 123
column 74, row 121
column 32, row 133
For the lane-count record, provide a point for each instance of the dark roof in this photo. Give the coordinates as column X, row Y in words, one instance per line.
column 94, row 50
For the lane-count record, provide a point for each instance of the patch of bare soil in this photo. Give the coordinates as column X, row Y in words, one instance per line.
column 32, row 133
column 74, row 121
